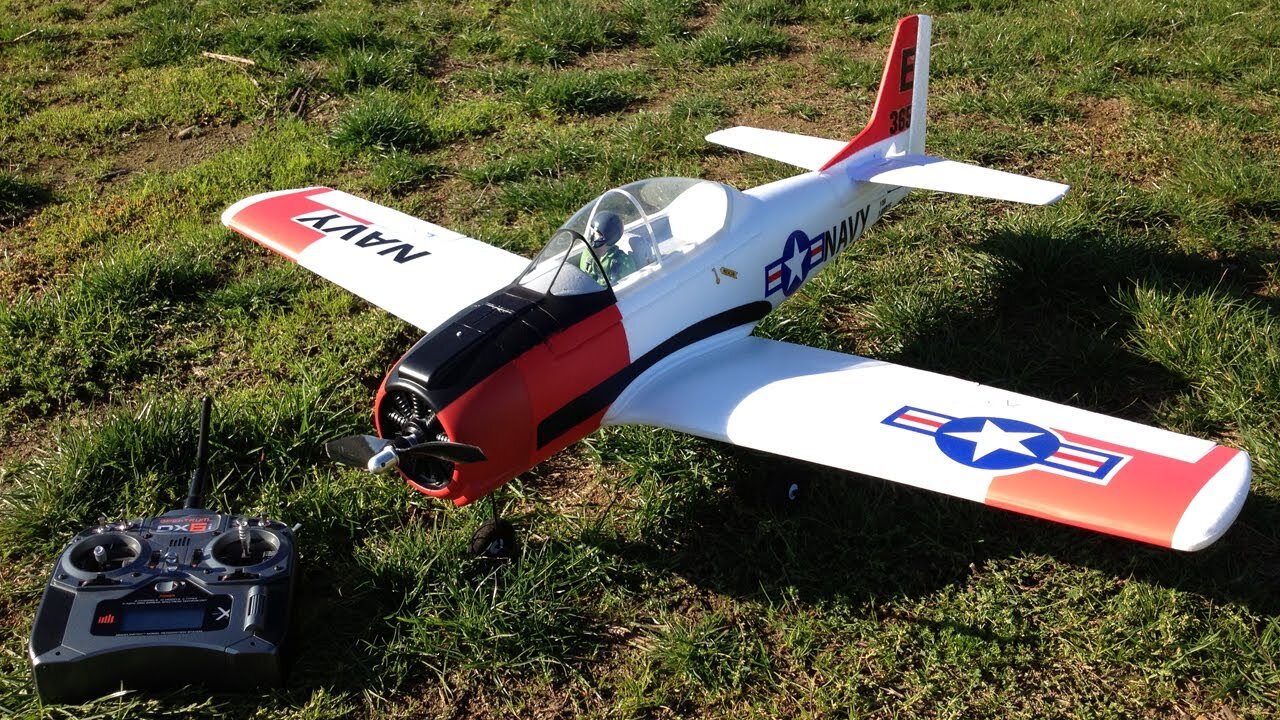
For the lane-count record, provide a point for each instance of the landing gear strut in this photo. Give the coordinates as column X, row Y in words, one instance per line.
column 495, row 539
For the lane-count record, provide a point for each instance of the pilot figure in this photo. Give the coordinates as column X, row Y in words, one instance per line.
column 603, row 234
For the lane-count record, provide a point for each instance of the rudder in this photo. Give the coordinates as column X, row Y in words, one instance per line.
column 901, row 102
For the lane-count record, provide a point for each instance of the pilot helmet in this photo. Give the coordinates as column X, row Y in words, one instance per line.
column 604, row 230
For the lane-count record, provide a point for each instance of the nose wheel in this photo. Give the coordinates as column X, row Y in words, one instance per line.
column 495, row 539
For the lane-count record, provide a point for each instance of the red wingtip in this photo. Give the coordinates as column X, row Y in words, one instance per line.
column 892, row 112
column 266, row 219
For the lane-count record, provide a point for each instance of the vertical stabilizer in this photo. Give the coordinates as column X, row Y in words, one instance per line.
column 899, row 111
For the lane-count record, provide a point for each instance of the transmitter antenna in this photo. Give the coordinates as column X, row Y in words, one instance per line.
column 199, row 475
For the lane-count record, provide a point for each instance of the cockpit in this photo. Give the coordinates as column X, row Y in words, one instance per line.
column 629, row 234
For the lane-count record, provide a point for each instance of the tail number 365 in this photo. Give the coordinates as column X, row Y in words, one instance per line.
column 899, row 119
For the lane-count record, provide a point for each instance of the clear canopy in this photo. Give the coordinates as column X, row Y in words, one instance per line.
column 566, row 266
column 569, row 265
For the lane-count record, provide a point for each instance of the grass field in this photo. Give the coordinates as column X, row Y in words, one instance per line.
column 647, row 585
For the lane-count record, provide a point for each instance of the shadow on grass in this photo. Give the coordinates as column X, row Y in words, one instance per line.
column 20, row 197
column 417, row 611
column 857, row 539
column 1058, row 327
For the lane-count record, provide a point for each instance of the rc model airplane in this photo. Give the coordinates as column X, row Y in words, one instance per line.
column 640, row 310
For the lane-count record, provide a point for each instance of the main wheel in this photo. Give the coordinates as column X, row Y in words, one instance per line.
column 781, row 493
column 495, row 539
column 789, row 491
column 774, row 487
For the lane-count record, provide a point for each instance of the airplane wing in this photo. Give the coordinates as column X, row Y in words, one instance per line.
column 948, row 435
column 417, row 271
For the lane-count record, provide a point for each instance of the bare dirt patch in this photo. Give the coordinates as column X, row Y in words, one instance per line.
column 17, row 443
column 161, row 150
column 631, row 58
column 1104, row 132
column 1105, row 113
column 571, row 480
column 814, row 107
column 166, row 150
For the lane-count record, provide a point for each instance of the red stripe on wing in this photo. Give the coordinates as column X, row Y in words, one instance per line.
column 1076, row 457
column 1143, row 501
column 922, row 421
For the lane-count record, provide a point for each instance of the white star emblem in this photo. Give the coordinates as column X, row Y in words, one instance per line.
column 991, row 438
column 794, row 264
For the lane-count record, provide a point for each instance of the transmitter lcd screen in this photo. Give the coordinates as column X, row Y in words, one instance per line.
column 161, row 618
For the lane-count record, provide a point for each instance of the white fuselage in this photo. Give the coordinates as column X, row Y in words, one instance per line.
column 779, row 236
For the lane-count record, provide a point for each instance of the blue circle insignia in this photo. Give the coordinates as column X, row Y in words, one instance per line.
column 992, row 443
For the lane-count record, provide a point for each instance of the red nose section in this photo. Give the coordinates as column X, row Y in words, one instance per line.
column 501, row 414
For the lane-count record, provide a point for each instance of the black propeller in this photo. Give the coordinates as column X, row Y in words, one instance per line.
column 446, row 450
column 377, row 454
column 355, row 450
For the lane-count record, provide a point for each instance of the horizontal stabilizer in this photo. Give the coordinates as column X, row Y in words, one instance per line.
column 925, row 172
column 802, row 151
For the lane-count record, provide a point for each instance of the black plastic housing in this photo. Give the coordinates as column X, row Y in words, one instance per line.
column 175, row 605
